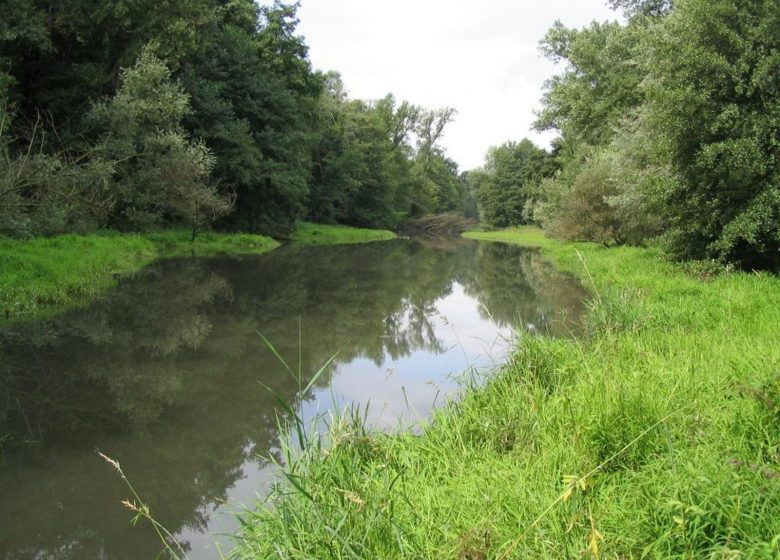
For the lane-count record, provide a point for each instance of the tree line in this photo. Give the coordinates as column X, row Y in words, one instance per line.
column 668, row 128
column 138, row 114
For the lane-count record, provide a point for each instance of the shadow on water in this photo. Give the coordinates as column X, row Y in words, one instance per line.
column 164, row 374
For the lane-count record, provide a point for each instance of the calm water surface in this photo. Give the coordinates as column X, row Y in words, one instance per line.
column 167, row 374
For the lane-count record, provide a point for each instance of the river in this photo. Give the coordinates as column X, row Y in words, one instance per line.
column 168, row 374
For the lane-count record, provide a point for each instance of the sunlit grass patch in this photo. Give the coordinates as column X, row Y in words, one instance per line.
column 47, row 272
column 323, row 234
column 177, row 243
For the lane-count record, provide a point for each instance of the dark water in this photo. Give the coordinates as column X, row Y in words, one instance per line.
column 167, row 374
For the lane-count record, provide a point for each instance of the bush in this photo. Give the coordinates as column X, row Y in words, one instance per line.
column 582, row 211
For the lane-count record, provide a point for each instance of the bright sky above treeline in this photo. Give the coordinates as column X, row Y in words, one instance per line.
column 481, row 58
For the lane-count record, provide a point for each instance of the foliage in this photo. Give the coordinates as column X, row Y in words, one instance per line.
column 158, row 172
column 254, row 98
column 581, row 211
column 678, row 103
column 599, row 194
column 377, row 163
column 638, row 8
column 193, row 112
column 715, row 77
column 611, row 197
column 44, row 193
column 598, row 86
column 509, row 180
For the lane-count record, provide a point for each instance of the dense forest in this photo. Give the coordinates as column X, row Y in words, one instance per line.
column 136, row 115
column 669, row 127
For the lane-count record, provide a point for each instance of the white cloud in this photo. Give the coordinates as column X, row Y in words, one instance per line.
column 480, row 57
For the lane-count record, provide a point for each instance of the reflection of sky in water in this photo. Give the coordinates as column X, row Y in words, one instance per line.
column 400, row 392
column 205, row 542
column 405, row 390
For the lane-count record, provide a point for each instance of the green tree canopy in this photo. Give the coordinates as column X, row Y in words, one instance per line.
column 509, row 179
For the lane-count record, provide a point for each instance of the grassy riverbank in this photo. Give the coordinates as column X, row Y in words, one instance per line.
column 657, row 435
column 44, row 273
column 322, row 234
column 53, row 271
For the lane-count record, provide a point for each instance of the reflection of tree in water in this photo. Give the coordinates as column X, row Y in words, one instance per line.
column 83, row 377
column 355, row 300
column 179, row 344
column 519, row 288
column 163, row 374
column 111, row 360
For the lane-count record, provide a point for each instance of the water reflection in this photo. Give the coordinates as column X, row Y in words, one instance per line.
column 164, row 374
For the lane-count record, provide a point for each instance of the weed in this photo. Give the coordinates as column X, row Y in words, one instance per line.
column 141, row 511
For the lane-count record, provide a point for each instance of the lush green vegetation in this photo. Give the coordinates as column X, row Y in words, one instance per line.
column 323, row 234
column 140, row 115
column 52, row 271
column 656, row 435
column 173, row 243
column 65, row 269
column 508, row 185
column 668, row 129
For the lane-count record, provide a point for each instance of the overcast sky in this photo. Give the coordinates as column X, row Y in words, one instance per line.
column 480, row 57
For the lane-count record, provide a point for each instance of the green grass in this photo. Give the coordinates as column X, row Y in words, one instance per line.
column 177, row 243
column 48, row 273
column 525, row 236
column 656, row 435
column 45, row 274
column 322, row 234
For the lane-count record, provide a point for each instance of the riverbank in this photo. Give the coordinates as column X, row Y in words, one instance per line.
column 324, row 234
column 655, row 435
column 47, row 273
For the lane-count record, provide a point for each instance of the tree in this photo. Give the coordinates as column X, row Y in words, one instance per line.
column 435, row 188
column 639, row 8
column 714, row 98
column 603, row 192
column 254, row 99
column 599, row 85
column 511, row 175
column 377, row 163
column 159, row 171
column 251, row 89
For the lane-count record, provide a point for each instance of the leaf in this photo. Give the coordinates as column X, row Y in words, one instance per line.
column 319, row 373
column 593, row 541
column 298, row 486
column 572, row 482
column 273, row 350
